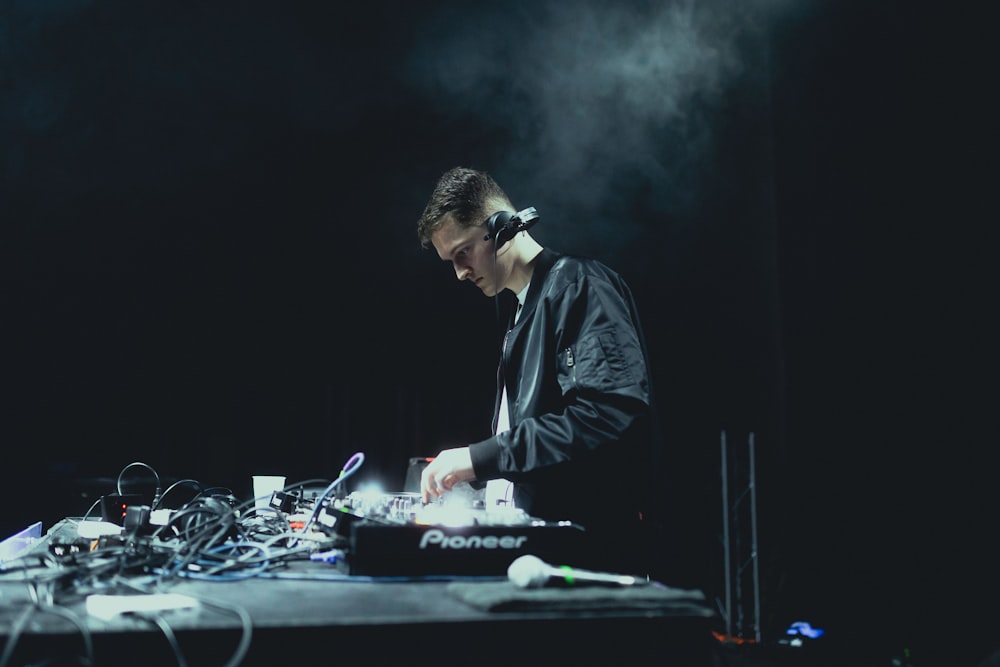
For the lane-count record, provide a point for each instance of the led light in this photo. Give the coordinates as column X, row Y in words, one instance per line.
column 804, row 629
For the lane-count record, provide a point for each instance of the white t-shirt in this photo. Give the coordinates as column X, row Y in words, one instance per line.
column 500, row 492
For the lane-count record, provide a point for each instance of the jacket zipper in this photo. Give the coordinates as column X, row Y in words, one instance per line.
column 570, row 362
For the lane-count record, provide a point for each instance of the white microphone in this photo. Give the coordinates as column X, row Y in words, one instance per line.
column 532, row 572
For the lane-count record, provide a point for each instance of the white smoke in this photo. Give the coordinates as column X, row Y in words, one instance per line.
column 592, row 104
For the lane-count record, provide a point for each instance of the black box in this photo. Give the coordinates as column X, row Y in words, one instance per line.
column 115, row 506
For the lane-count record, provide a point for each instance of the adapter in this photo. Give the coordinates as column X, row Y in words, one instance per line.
column 114, row 506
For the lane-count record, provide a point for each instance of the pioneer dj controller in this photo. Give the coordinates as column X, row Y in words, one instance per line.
column 395, row 534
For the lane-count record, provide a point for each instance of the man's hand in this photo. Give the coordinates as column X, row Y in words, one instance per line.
column 447, row 469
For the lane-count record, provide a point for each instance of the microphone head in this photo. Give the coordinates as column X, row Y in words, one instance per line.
column 528, row 571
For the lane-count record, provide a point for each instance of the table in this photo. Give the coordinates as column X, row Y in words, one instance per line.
column 311, row 611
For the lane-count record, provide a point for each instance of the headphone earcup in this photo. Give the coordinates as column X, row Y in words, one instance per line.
column 497, row 224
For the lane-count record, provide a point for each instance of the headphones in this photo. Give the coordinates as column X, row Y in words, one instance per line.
column 503, row 225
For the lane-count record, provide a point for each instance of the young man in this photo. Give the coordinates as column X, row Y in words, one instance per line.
column 574, row 418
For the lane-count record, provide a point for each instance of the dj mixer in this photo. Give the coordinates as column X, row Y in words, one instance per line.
column 395, row 534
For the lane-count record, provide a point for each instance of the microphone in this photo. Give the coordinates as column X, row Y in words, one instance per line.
column 532, row 572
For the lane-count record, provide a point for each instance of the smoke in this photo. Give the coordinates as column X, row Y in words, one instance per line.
column 599, row 106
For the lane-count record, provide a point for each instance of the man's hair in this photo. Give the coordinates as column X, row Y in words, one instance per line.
column 465, row 193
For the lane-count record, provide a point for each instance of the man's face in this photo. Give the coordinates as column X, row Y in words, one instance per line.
column 471, row 256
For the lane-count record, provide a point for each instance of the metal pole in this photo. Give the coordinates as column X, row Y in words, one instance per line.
column 753, row 537
column 725, row 537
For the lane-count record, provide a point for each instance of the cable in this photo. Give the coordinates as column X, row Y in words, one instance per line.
column 156, row 494
column 189, row 482
column 37, row 605
column 351, row 467
column 246, row 623
column 200, row 525
column 91, row 508
column 222, row 564
column 15, row 634
column 496, row 290
column 205, row 539
column 217, row 491
column 168, row 633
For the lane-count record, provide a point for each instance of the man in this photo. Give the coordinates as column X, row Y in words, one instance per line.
column 574, row 415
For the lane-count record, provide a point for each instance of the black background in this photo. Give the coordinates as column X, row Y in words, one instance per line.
column 211, row 267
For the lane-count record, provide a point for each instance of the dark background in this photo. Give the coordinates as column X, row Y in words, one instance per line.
column 210, row 263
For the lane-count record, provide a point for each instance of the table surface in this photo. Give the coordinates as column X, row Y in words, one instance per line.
column 320, row 596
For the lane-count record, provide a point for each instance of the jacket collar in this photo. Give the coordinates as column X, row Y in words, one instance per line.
column 543, row 264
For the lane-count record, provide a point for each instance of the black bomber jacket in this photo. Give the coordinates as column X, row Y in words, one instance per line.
column 579, row 396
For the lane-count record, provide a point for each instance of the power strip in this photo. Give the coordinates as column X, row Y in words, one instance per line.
column 95, row 529
column 107, row 607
